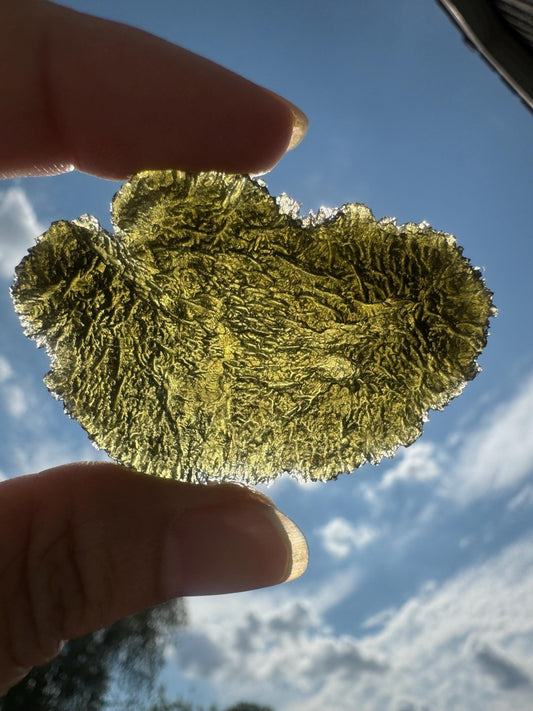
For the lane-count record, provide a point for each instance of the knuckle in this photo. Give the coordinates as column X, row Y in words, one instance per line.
column 12, row 659
column 63, row 589
column 22, row 644
column 58, row 586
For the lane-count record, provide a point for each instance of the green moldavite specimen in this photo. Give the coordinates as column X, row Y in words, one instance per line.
column 218, row 335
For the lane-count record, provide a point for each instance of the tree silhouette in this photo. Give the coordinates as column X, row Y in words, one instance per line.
column 246, row 706
column 163, row 704
column 125, row 658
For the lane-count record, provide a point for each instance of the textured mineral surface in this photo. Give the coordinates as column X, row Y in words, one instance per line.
column 218, row 335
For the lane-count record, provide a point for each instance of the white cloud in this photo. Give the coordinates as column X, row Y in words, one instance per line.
column 323, row 598
column 273, row 641
column 494, row 456
column 340, row 537
column 6, row 372
column 498, row 455
column 287, row 482
column 409, row 705
column 51, row 453
column 417, row 463
column 491, row 457
column 12, row 396
column 338, row 588
column 380, row 618
column 428, row 642
column 15, row 400
column 18, row 229
column 524, row 499
column 505, row 672
column 465, row 644
column 36, row 445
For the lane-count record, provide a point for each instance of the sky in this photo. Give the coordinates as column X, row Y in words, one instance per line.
column 419, row 591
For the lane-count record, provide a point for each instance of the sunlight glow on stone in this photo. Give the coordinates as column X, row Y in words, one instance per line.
column 217, row 335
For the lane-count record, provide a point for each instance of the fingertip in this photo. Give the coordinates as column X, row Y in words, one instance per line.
column 300, row 126
column 230, row 548
column 299, row 551
column 121, row 100
column 80, row 558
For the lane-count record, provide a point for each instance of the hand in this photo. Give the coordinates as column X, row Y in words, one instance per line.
column 83, row 545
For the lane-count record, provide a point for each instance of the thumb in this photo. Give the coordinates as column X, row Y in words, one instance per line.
column 84, row 545
column 111, row 100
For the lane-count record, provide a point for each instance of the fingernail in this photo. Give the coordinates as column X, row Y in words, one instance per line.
column 299, row 127
column 220, row 549
column 300, row 122
column 298, row 545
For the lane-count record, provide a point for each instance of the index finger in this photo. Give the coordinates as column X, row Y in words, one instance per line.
column 110, row 100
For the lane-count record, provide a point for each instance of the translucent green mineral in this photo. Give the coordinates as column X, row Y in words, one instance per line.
column 217, row 335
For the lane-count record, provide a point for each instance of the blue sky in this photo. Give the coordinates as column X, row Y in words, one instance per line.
column 419, row 593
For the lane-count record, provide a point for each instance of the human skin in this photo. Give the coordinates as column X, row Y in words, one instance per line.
column 85, row 544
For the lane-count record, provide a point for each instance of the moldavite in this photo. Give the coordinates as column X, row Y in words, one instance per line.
column 217, row 335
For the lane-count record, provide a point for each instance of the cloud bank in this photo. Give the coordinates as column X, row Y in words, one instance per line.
column 467, row 644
